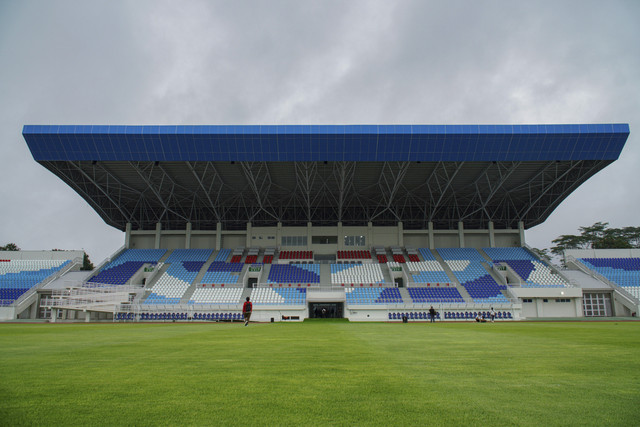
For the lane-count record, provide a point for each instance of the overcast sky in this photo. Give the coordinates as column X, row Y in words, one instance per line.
column 303, row 62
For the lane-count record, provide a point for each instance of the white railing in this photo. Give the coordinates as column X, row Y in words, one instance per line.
column 594, row 274
column 29, row 293
column 93, row 297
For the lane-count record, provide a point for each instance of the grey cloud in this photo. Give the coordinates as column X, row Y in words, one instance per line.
column 210, row 62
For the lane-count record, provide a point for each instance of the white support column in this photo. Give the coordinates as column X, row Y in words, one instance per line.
column 580, row 310
column 309, row 245
column 539, row 309
column 492, row 235
column 279, row 234
column 158, row 234
column 249, row 235
column 127, row 236
column 187, row 236
column 521, row 232
column 218, row 236
column 341, row 237
column 369, row 234
column 432, row 240
column 400, row 234
column 461, row 233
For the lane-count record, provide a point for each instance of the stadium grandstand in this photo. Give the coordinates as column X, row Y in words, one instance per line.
column 370, row 223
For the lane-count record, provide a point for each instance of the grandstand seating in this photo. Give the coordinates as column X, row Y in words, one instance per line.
column 172, row 316
column 533, row 271
column 373, row 295
column 294, row 273
column 279, row 296
column 382, row 259
column 251, row 259
column 184, row 266
column 216, row 296
column 222, row 272
column 181, row 255
column 358, row 254
column 356, row 273
column 18, row 276
column 426, row 254
column 222, row 256
column 120, row 270
column 267, row 259
column 412, row 315
column 428, row 272
column 217, row 317
column 471, row 315
column 467, row 265
column 399, row 258
column 295, row 255
column 435, row 295
column 625, row 272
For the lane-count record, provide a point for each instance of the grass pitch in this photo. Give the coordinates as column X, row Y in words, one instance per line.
column 321, row 373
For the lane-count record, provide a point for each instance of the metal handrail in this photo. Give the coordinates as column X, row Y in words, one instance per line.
column 594, row 274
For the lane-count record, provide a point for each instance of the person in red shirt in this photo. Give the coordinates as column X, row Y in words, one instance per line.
column 246, row 311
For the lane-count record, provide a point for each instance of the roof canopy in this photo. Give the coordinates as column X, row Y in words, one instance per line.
column 325, row 174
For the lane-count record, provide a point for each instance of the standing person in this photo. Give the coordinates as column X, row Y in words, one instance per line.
column 247, row 307
column 432, row 314
column 492, row 314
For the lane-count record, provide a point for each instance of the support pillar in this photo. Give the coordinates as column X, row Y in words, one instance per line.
column 432, row 240
column 279, row 234
column 218, row 236
column 127, row 236
column 369, row 234
column 158, row 234
column 187, row 236
column 492, row 235
column 461, row 233
column 400, row 234
column 248, row 236
column 341, row 237
column 521, row 232
column 309, row 245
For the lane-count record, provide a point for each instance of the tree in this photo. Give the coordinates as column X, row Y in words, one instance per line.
column 542, row 254
column 9, row 247
column 567, row 241
column 598, row 236
column 87, row 265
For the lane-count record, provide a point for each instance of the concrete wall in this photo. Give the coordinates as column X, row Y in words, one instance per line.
column 41, row 255
column 263, row 237
column 548, row 307
column 603, row 253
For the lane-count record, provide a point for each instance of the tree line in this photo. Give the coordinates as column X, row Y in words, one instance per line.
column 598, row 236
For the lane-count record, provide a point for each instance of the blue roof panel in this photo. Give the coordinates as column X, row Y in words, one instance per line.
column 427, row 143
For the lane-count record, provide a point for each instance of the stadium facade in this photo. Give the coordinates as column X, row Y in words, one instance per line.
column 363, row 221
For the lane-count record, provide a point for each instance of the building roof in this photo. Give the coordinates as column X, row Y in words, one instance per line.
column 325, row 174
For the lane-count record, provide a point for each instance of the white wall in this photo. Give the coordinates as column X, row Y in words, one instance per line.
column 603, row 253
column 262, row 237
column 40, row 255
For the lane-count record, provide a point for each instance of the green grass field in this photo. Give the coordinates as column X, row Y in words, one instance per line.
column 321, row 373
